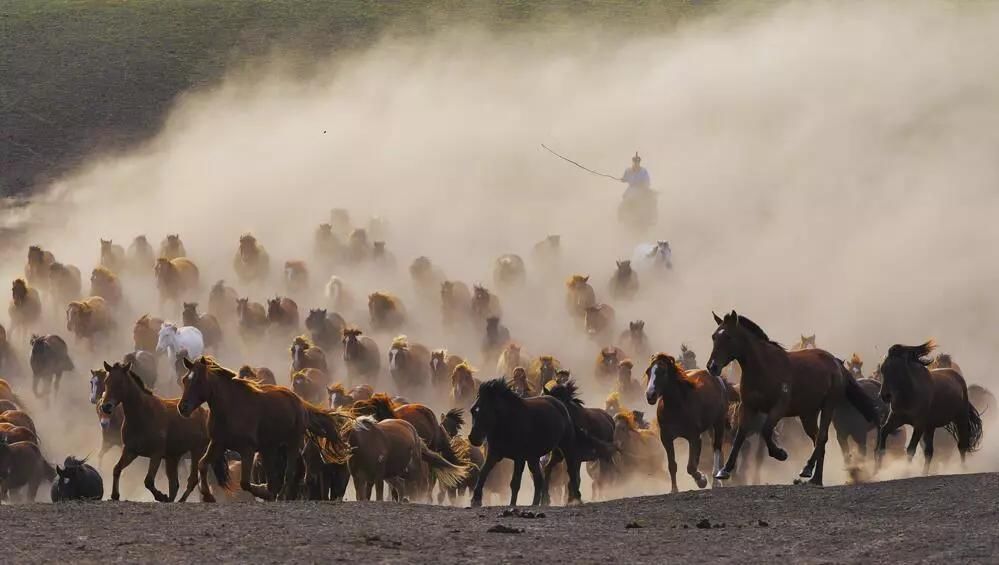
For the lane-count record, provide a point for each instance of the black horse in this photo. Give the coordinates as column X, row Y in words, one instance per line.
column 594, row 437
column 77, row 480
column 524, row 430
column 849, row 423
column 49, row 360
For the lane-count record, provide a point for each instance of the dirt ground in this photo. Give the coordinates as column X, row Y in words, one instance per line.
column 933, row 520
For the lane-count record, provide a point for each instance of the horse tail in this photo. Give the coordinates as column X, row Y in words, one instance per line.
column 974, row 438
column 323, row 425
column 449, row 474
column 220, row 467
column 605, row 450
column 858, row 398
column 447, row 450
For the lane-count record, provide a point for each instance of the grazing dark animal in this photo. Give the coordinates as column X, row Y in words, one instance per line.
column 509, row 272
column 594, row 441
column 807, row 384
column 926, row 400
column 153, row 428
column 140, row 257
column 222, row 301
column 361, row 356
column 409, row 365
column 634, row 342
column 305, row 355
column 326, row 330
column 248, row 419
column 22, row 466
column 624, row 283
column 76, row 480
column 252, row 318
column 172, row 247
column 386, row 312
column 49, row 360
column 251, row 263
column 207, row 324
column 524, row 430
column 688, row 404
column 496, row 338
column 25, row 308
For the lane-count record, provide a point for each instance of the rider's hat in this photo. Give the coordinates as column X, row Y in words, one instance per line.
column 636, row 158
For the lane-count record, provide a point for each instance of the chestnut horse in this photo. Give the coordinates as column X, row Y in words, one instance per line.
column 688, row 404
column 172, row 247
column 251, row 263
column 146, row 333
column 326, row 329
column 305, row 355
column 634, row 342
column 175, row 278
column 252, row 318
column 282, row 314
column 104, row 283
column 251, row 419
column 464, row 386
column 207, row 324
column 152, row 428
column 442, row 364
column 361, row 356
column 25, row 308
column 385, row 311
column 926, row 400
column 807, row 384
column 310, row 384
column 456, row 304
column 110, row 424
column 222, row 302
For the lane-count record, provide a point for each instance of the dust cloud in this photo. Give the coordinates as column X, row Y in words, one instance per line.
column 823, row 168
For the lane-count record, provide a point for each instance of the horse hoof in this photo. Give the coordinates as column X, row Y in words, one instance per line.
column 701, row 481
column 806, row 473
column 115, row 497
column 673, row 490
column 815, row 482
column 723, row 475
column 716, row 483
column 779, row 454
column 475, row 503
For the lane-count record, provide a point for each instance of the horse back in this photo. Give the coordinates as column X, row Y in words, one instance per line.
column 814, row 374
column 949, row 394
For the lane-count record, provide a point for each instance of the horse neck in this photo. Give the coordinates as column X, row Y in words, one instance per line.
column 755, row 355
column 136, row 404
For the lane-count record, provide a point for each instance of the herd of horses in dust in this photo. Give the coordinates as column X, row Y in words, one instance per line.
column 346, row 413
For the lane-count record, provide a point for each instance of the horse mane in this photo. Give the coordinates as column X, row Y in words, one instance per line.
column 614, row 397
column 464, row 366
column 215, row 367
column 336, row 388
column 855, row 359
column 381, row 297
column 400, row 342
column 104, row 272
column 628, row 363
column 756, row 330
column 378, row 403
column 918, row 353
column 498, row 388
column 628, row 417
column 304, row 341
column 681, row 373
column 352, row 331
column 576, row 280
column 457, row 415
column 567, row 392
column 73, row 462
column 138, row 382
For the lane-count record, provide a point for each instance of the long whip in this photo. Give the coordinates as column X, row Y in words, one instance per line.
column 564, row 158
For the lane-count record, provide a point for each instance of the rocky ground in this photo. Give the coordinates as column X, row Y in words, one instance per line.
column 937, row 519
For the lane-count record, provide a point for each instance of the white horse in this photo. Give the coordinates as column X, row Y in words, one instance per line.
column 653, row 256
column 173, row 340
column 338, row 298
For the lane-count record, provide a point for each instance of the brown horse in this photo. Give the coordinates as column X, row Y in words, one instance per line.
column 392, row 451
column 250, row 419
column 485, row 304
column 385, row 312
column 926, row 400
column 361, row 356
column 464, row 386
column 456, row 304
column 110, row 423
column 426, row 276
column 606, row 365
column 520, row 384
column 259, row 375
column 15, row 434
column 282, row 314
column 641, row 452
column 688, row 404
column 49, row 360
column 634, row 342
column 624, row 283
column 90, row 319
column 579, row 296
column 65, row 283
column 594, row 442
column 36, row 270
column 305, row 355
column 496, row 338
column 442, row 364
column 326, row 329
column 7, row 393
column 175, row 278
column 542, row 370
column 409, row 365
column 19, row 418
column 207, row 324
column 509, row 271
column 326, row 244
column 310, row 384
column 252, row 317
column 339, row 397
column 807, row 384
column 104, row 283
column 296, row 277
column 146, row 333
column 628, row 388
column 140, row 257
column 945, row 361
column 251, row 263
column 172, row 247
column 23, row 466
column 152, row 428
column 112, row 256
column 222, row 302
column 25, row 308
column 510, row 358
column 599, row 321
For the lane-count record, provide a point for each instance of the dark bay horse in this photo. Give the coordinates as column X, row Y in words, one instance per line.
column 688, row 404
column 152, row 428
column 807, row 384
column 594, row 437
column 249, row 419
column 524, row 430
column 926, row 400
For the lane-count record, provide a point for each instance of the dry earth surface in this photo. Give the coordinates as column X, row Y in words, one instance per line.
column 944, row 519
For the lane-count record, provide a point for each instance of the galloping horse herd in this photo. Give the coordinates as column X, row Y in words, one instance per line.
column 355, row 397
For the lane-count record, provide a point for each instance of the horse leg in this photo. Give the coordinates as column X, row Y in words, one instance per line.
column 173, row 481
column 773, row 416
column 534, row 466
column 487, row 467
column 34, row 386
column 290, row 488
column 574, row 465
column 910, row 450
column 192, row 476
column 246, row 454
column 717, row 438
column 518, row 472
column 928, row 450
column 553, row 461
column 693, row 458
column 124, row 461
column 211, row 453
column 379, row 490
column 825, row 419
column 891, row 424
column 150, row 482
column 740, row 437
column 812, row 431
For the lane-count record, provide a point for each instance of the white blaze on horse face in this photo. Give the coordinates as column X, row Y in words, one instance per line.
column 435, row 364
column 334, row 399
column 650, row 391
column 93, row 389
column 393, row 359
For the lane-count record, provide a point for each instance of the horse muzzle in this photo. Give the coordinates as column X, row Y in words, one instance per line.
column 475, row 438
column 105, row 421
column 714, row 368
column 185, row 409
column 652, row 398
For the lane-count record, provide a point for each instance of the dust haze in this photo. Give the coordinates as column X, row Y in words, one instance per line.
column 822, row 168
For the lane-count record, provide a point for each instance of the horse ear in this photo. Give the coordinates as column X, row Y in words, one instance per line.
column 734, row 315
column 58, row 470
column 618, row 263
column 189, row 364
column 717, row 319
column 107, row 367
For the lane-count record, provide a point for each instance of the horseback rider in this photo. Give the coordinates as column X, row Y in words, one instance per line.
column 638, row 204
